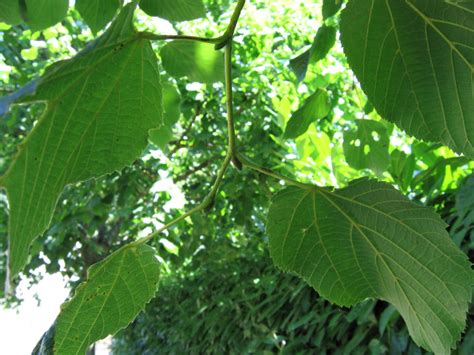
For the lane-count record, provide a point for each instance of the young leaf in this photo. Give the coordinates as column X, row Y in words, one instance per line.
column 367, row 147
column 41, row 14
column 414, row 60
column 315, row 107
column 368, row 240
column 198, row 61
column 330, row 8
column 97, row 13
column 174, row 10
column 100, row 106
column 116, row 290
column 322, row 44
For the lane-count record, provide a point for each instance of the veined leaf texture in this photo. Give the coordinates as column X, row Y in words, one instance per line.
column 368, row 240
column 415, row 61
column 99, row 108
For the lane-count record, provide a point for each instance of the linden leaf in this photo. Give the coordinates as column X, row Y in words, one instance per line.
column 368, row 240
column 116, row 290
column 100, row 106
column 174, row 10
column 415, row 61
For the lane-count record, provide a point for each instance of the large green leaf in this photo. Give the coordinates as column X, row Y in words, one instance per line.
column 415, row 61
column 100, row 106
column 368, row 240
column 116, row 290
column 41, row 14
column 367, row 147
column 97, row 13
column 198, row 61
column 174, row 10
column 315, row 107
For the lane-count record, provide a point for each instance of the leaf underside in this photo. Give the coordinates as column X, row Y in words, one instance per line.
column 174, row 10
column 116, row 290
column 100, row 106
column 415, row 61
column 368, row 240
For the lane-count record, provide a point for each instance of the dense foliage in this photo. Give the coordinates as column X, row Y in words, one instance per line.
column 304, row 116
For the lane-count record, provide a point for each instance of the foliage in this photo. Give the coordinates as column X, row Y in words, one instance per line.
column 104, row 128
column 233, row 301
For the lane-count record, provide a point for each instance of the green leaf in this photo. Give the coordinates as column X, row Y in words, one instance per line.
column 415, row 61
column 100, row 106
column 315, row 107
column 198, row 61
column 41, row 14
column 10, row 12
column 322, row 44
column 369, row 241
column 116, row 290
column 174, row 10
column 172, row 110
column 97, row 13
column 367, row 147
column 330, row 8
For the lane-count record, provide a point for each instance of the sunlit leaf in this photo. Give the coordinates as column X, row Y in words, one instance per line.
column 116, row 290
column 100, row 106
column 369, row 241
column 367, row 146
column 415, row 61
column 198, row 61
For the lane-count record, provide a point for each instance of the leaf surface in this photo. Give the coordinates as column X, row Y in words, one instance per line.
column 116, row 290
column 322, row 44
column 415, row 61
column 10, row 12
column 97, row 13
column 369, row 241
column 315, row 107
column 174, row 10
column 171, row 111
column 100, row 106
column 330, row 8
column 41, row 14
column 198, row 61
column 367, row 146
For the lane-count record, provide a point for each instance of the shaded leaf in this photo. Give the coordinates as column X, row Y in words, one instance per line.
column 330, row 8
column 174, row 10
column 198, row 61
column 322, row 44
column 41, row 14
column 97, row 13
column 415, row 61
column 369, row 241
column 315, row 107
column 101, row 105
column 367, row 147
column 116, row 290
